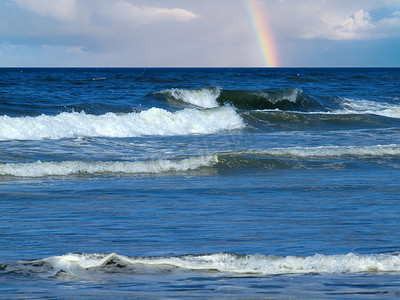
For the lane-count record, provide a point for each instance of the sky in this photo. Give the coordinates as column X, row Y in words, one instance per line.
column 194, row 33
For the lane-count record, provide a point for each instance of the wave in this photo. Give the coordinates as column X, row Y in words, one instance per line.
column 325, row 157
column 289, row 99
column 155, row 121
column 285, row 100
column 84, row 265
column 328, row 151
column 205, row 97
column 316, row 120
column 357, row 106
column 41, row 169
column 358, row 109
column 264, row 158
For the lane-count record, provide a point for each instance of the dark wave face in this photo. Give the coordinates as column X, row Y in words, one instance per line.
column 289, row 109
column 285, row 100
column 291, row 99
column 289, row 120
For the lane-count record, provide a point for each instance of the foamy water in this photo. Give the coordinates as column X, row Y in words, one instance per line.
column 39, row 169
column 360, row 106
column 64, row 168
column 330, row 151
column 205, row 97
column 155, row 121
column 83, row 264
column 290, row 95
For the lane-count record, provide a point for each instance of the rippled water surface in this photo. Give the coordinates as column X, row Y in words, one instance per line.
column 228, row 183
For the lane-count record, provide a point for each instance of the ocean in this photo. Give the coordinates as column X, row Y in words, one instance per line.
column 228, row 183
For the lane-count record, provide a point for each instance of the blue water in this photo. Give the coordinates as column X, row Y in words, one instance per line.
column 208, row 183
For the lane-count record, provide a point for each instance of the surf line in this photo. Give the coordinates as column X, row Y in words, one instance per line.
column 262, row 31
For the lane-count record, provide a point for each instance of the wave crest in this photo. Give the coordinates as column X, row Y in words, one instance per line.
column 80, row 265
column 40, row 169
column 329, row 151
column 155, row 121
column 285, row 100
column 357, row 106
column 205, row 97
column 289, row 99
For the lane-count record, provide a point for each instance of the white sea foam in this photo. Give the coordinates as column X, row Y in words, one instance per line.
column 355, row 106
column 205, row 97
column 40, row 169
column 290, row 95
column 349, row 107
column 330, row 151
column 82, row 264
column 154, row 121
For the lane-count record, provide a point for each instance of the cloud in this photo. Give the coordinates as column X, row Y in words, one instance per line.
column 60, row 9
column 127, row 12
column 119, row 11
column 192, row 33
column 334, row 20
column 100, row 25
column 359, row 20
column 355, row 26
column 358, row 26
column 389, row 26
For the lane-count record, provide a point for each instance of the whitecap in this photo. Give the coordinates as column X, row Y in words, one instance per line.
column 360, row 106
column 329, row 151
column 205, row 97
column 227, row 263
column 40, row 169
column 154, row 122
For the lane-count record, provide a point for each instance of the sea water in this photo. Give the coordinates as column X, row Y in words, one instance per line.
column 199, row 183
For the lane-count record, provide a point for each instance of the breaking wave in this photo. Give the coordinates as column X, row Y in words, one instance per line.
column 155, row 121
column 285, row 100
column 329, row 151
column 355, row 106
column 205, row 97
column 289, row 99
column 85, row 265
column 40, row 169
column 326, row 157
column 228, row 159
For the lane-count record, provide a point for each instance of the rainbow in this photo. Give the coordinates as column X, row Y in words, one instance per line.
column 263, row 33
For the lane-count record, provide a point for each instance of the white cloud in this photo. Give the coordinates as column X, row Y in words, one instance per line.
column 60, row 9
column 125, row 11
column 333, row 20
column 360, row 26
column 360, row 20
column 355, row 26
column 119, row 11
column 93, row 25
column 172, row 33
